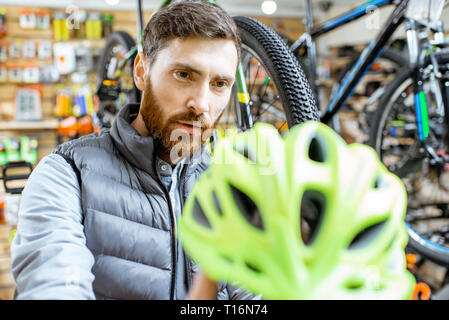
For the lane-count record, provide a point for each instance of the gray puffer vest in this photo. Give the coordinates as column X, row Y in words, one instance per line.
column 128, row 222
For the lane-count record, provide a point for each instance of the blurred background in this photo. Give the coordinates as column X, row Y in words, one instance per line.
column 49, row 57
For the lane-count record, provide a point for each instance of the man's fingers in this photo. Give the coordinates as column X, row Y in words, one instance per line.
column 203, row 288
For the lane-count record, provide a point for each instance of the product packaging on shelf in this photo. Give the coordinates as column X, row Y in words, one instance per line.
column 28, row 103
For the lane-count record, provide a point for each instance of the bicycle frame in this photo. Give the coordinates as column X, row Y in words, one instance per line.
column 367, row 57
column 370, row 54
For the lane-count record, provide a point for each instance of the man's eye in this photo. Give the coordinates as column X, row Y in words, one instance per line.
column 182, row 74
column 221, row 84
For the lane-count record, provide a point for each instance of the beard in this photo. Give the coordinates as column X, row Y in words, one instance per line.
column 171, row 140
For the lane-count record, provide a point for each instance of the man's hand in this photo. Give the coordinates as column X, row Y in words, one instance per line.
column 203, row 288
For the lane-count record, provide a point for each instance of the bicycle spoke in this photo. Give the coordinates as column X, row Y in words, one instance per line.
column 266, row 88
column 259, row 93
column 255, row 78
column 261, row 97
column 267, row 108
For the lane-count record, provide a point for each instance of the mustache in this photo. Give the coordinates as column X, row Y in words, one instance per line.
column 191, row 117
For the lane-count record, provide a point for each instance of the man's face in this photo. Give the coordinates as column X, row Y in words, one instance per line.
column 186, row 90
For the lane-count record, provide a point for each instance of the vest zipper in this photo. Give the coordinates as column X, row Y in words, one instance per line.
column 174, row 246
column 187, row 264
column 173, row 239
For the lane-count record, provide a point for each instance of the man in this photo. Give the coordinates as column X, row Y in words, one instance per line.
column 98, row 215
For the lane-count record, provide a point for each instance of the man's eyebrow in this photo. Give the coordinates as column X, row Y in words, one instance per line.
column 192, row 69
column 186, row 66
column 225, row 77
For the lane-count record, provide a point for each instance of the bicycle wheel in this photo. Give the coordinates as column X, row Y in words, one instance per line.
column 394, row 136
column 116, row 89
column 277, row 86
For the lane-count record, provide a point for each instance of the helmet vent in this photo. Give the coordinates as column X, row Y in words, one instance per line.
column 313, row 206
column 252, row 267
column 366, row 236
column 247, row 208
column 199, row 216
column 217, row 203
column 378, row 182
column 354, row 284
column 227, row 259
column 317, row 152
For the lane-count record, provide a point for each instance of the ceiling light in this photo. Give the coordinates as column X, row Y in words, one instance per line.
column 112, row 2
column 269, row 7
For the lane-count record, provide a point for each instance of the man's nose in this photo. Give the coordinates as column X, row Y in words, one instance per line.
column 199, row 101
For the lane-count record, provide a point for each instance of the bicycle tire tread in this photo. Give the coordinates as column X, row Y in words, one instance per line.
column 301, row 105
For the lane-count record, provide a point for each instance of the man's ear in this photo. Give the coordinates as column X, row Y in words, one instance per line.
column 139, row 71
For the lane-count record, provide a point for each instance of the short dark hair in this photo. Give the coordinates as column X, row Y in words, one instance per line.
column 184, row 19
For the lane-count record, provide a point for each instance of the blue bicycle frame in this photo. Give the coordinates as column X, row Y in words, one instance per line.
column 366, row 59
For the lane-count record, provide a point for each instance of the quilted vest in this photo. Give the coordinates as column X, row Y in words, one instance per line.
column 128, row 222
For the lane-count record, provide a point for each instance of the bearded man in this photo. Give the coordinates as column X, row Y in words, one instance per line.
column 98, row 216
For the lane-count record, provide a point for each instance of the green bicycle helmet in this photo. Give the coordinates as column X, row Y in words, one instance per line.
column 247, row 216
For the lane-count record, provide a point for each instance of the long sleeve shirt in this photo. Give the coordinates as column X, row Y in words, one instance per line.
column 50, row 259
